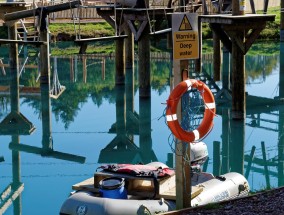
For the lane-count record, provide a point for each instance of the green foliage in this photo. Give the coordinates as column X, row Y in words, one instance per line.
column 85, row 30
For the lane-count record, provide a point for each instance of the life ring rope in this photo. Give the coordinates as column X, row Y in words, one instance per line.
column 206, row 124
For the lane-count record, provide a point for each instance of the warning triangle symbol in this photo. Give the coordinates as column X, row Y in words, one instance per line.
column 185, row 24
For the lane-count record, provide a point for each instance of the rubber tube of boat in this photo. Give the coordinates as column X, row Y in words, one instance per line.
column 85, row 203
column 228, row 186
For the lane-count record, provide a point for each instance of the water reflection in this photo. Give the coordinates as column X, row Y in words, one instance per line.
column 120, row 123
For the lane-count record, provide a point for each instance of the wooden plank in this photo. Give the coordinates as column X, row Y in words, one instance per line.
column 36, row 43
column 229, row 19
column 88, row 185
column 88, row 40
column 37, row 11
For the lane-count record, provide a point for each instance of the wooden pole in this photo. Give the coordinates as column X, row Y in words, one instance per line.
column 144, row 62
column 238, row 67
column 238, row 73
column 238, row 7
column 217, row 57
column 44, row 49
column 119, row 62
column 14, row 68
column 183, row 179
column 129, row 49
column 281, row 21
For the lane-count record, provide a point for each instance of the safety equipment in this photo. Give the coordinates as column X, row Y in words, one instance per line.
column 207, row 123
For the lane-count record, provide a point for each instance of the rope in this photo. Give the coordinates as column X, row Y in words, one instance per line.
column 148, row 16
column 73, row 18
column 115, row 23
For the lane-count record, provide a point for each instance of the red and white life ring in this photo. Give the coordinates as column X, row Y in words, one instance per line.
column 209, row 113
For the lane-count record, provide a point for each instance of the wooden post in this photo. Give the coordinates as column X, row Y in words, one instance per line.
column 238, row 85
column 129, row 49
column 282, row 21
column 144, row 61
column 14, row 68
column 44, row 48
column 119, row 62
column 217, row 57
column 226, row 69
column 183, row 184
column 238, row 7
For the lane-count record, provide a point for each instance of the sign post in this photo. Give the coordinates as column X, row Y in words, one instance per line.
column 185, row 46
column 185, row 36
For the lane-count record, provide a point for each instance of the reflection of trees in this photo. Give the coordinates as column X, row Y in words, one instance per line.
column 98, row 86
column 160, row 72
column 260, row 66
column 66, row 108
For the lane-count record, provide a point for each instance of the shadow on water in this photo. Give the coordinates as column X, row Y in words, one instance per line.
column 128, row 135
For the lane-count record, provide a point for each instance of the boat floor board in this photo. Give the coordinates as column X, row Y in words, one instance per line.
column 138, row 186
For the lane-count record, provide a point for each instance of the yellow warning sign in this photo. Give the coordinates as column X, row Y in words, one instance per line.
column 185, row 24
column 185, row 36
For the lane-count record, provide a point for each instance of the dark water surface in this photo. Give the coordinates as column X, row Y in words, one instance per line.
column 94, row 122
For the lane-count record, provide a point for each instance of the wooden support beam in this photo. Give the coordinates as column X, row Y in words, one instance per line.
column 222, row 35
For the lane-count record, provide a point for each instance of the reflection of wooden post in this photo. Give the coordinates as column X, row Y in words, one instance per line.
column 84, row 61
column 225, row 140
column 237, row 146
column 281, row 113
column 250, row 161
column 120, row 114
column 145, row 139
column 103, row 68
column 226, row 69
column 46, row 118
column 265, row 165
column 216, row 158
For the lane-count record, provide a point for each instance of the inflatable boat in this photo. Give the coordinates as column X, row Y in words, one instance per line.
column 115, row 196
column 225, row 187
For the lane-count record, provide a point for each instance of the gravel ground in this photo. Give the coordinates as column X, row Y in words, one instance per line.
column 268, row 202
